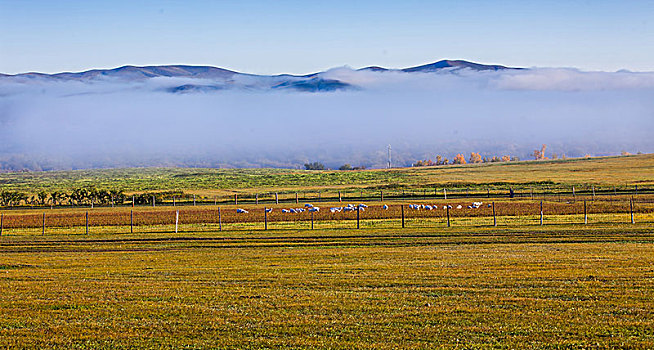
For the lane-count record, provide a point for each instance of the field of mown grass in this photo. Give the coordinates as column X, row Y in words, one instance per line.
column 567, row 286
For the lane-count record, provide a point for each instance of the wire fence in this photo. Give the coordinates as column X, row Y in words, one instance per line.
column 334, row 215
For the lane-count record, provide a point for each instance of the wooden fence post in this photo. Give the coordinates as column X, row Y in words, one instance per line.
column 176, row 220
column 174, row 202
column 574, row 196
column 265, row 218
column 494, row 218
column 312, row 220
column 631, row 210
column 43, row 230
column 2, row 222
column 235, row 198
column 402, row 215
column 87, row 222
column 444, row 194
column 215, row 200
column 276, row 198
column 256, row 199
column 154, row 200
column 381, row 193
column 487, row 193
column 220, row 221
column 358, row 216
column 132, row 201
column 541, row 213
column 585, row 214
column 193, row 200
column 131, row 221
column 339, row 197
column 448, row 215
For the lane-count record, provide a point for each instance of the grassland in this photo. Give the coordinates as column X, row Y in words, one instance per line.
column 518, row 285
column 602, row 171
column 382, row 289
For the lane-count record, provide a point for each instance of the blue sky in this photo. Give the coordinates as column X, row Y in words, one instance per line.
column 269, row 37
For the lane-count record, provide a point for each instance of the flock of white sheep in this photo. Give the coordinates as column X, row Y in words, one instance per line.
column 475, row 205
column 349, row 207
column 362, row 207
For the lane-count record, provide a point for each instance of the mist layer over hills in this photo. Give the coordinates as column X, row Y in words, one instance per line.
column 208, row 116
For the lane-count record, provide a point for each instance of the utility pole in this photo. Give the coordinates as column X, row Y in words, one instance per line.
column 389, row 156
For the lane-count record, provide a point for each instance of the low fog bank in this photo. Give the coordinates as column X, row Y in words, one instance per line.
column 48, row 125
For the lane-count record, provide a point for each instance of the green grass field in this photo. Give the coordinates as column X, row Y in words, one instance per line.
column 517, row 285
column 601, row 171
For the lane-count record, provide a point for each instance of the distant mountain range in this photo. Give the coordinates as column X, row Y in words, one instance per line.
column 220, row 79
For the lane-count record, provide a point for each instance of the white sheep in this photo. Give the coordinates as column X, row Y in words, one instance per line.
column 385, row 207
column 241, row 211
column 459, row 206
column 269, row 210
column 314, row 209
column 308, row 205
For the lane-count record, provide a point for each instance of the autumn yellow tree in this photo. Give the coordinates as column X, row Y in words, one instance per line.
column 540, row 155
column 459, row 159
column 475, row 157
column 506, row 158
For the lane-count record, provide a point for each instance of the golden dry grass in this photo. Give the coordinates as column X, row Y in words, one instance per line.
column 563, row 287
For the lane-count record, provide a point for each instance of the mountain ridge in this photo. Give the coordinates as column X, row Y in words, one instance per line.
column 205, row 79
column 212, row 72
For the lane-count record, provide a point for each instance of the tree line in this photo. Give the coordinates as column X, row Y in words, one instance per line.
column 83, row 196
column 461, row 159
